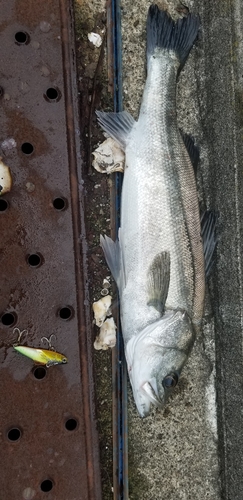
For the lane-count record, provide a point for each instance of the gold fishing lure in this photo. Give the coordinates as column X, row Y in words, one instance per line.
column 47, row 357
column 42, row 356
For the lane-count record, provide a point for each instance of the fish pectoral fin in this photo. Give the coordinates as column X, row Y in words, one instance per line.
column 117, row 125
column 208, row 232
column 158, row 281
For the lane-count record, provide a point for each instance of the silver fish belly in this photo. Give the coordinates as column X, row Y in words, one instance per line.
column 158, row 262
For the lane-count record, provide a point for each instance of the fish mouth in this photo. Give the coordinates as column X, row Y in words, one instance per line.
column 150, row 389
column 147, row 395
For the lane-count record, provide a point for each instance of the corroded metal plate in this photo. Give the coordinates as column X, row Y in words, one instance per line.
column 48, row 437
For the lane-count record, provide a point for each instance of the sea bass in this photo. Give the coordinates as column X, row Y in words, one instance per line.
column 158, row 260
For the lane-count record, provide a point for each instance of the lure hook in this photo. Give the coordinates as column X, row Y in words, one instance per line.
column 20, row 334
column 49, row 341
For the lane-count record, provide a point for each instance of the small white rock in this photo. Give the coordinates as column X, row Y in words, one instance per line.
column 95, row 39
column 45, row 71
column 107, row 337
column 23, row 87
column 101, row 309
column 106, row 283
column 5, row 178
column 8, row 144
column 30, row 187
column 44, row 26
column 35, row 44
column 109, row 157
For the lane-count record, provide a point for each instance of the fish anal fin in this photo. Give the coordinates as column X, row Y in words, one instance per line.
column 117, row 125
column 158, row 281
column 192, row 149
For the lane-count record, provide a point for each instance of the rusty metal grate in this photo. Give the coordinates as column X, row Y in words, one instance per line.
column 49, row 443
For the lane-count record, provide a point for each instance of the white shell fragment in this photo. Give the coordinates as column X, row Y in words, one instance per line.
column 5, row 178
column 95, row 39
column 107, row 336
column 101, row 309
column 109, row 157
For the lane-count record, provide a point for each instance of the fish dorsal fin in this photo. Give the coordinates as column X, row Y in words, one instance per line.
column 158, row 281
column 192, row 149
column 117, row 125
column 208, row 232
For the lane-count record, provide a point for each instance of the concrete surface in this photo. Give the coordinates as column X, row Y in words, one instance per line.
column 194, row 448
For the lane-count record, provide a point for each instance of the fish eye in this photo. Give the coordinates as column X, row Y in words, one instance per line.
column 64, row 360
column 170, row 381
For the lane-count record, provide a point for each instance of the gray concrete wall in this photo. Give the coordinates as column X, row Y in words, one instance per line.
column 222, row 127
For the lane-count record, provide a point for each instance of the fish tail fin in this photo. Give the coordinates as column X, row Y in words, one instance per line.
column 165, row 33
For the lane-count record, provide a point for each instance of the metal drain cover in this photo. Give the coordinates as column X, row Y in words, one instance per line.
column 49, row 445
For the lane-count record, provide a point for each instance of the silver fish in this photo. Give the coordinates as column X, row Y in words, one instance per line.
column 158, row 260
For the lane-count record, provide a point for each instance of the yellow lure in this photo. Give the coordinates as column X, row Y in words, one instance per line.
column 42, row 356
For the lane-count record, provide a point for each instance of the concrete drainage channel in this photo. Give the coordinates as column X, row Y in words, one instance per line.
column 49, row 443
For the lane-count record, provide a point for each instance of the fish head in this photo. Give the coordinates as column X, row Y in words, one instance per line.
column 155, row 358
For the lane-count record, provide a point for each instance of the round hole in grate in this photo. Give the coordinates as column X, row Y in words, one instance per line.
column 14, row 434
column 3, row 205
column 35, row 260
column 22, row 38
column 46, row 485
column 39, row 372
column 59, row 203
column 27, row 148
column 8, row 319
column 53, row 94
column 71, row 424
column 66, row 313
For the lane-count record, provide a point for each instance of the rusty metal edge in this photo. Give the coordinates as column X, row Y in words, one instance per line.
column 80, row 248
column 119, row 370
